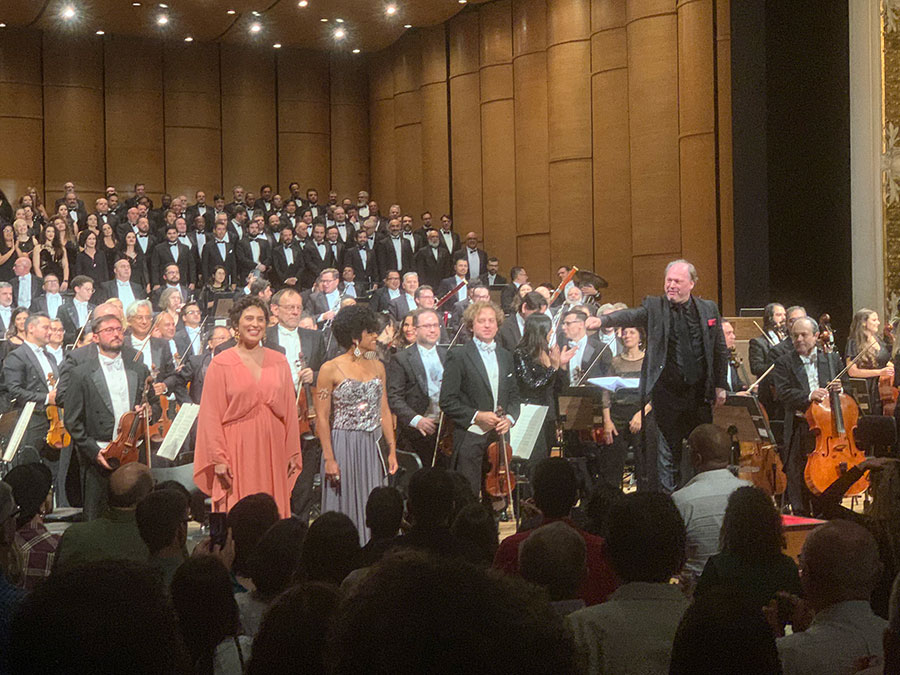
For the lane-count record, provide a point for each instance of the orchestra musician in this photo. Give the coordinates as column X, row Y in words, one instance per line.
column 405, row 303
column 479, row 378
column 414, row 377
column 102, row 386
column 478, row 292
column 774, row 331
column 800, row 378
column 733, row 375
column 513, row 328
column 684, row 369
column 156, row 354
column 876, row 359
column 461, row 273
column 787, row 345
column 298, row 343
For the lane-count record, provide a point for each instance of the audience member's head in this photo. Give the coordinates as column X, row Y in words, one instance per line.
column 555, row 487
column 554, row 557
column 839, row 562
column 104, row 617
column 603, row 498
column 30, row 485
column 331, row 546
column 431, row 497
column 292, row 636
column 475, row 528
column 277, row 557
column 710, row 448
column 416, row 614
column 892, row 632
column 203, row 597
column 129, row 484
column 720, row 634
column 162, row 518
column 248, row 520
column 646, row 538
column 384, row 512
column 752, row 527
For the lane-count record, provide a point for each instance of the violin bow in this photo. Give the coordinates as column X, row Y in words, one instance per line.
column 147, row 339
column 761, row 378
column 81, row 332
column 593, row 363
column 765, row 334
column 862, row 352
column 191, row 344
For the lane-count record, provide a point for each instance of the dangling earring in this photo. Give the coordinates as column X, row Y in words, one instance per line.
column 356, row 352
column 237, row 335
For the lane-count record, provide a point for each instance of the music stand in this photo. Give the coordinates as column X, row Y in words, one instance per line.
column 858, row 388
column 222, row 307
column 743, row 419
column 7, row 425
column 577, row 406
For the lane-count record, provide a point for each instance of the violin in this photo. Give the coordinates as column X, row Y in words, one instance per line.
column 57, row 436
column 159, row 430
column 132, row 427
column 833, row 420
column 499, row 480
column 306, row 409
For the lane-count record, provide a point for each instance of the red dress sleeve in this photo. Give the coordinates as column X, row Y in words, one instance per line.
column 211, row 448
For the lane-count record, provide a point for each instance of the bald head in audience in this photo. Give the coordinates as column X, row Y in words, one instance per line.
column 129, row 484
column 839, row 562
column 710, row 448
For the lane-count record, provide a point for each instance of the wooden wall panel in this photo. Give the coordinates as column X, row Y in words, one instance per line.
column 531, row 116
column 726, row 176
column 611, row 167
column 433, row 100
column 381, row 119
column 569, row 95
column 408, row 144
column 193, row 120
column 133, row 97
column 21, row 115
column 304, row 120
column 532, row 255
column 408, row 122
column 73, row 116
column 649, row 274
column 349, row 126
column 498, row 134
column 465, row 122
column 653, row 126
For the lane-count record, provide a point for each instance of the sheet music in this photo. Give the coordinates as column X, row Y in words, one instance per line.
column 179, row 430
column 19, row 432
column 616, row 383
column 525, row 433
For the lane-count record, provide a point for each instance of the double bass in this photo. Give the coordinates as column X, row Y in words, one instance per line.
column 833, row 420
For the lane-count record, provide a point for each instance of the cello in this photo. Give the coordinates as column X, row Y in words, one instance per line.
column 833, row 421
column 499, row 480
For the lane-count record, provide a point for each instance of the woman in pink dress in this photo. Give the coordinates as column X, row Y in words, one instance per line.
column 248, row 438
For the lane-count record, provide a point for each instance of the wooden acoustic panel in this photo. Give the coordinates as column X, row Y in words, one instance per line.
column 383, row 158
column 349, row 128
column 465, row 143
column 726, row 176
column 533, row 254
column 435, row 132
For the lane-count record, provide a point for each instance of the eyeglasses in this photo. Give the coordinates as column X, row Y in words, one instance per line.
column 111, row 330
column 291, row 308
column 428, row 325
column 571, row 321
column 192, row 311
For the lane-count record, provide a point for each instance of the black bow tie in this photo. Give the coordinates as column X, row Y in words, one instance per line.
column 142, row 236
column 363, row 247
column 221, row 241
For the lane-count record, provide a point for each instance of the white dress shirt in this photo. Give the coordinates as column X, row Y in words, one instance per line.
column 364, row 256
column 201, row 241
column 43, row 361
column 126, row 295
column 81, row 311
column 575, row 364
column 342, row 230
column 145, row 355
column 173, row 248
column 463, row 292
column 410, row 238
column 350, row 290
column 812, row 371
column 290, row 341
column 488, row 353
column 117, row 384
column 397, row 243
column 411, row 302
column 143, row 241
column 448, row 239
column 334, row 299
column 6, row 315
column 434, row 375
column 54, row 300
column 320, row 247
column 238, row 229
column 393, row 293
column 220, row 245
column 196, row 343
column 58, row 354
column 289, row 255
column 24, row 299
column 474, row 263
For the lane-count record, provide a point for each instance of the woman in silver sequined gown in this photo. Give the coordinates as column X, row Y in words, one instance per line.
column 353, row 414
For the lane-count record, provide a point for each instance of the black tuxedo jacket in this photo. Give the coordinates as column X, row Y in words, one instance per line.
column 24, row 380
column 466, row 388
column 210, row 258
column 351, row 234
column 381, row 300
column 244, row 255
column 337, row 253
column 110, row 289
column 407, row 386
column 193, row 211
column 445, row 287
column 432, row 271
column 498, row 280
column 281, row 270
column 108, row 217
column 399, row 307
column 508, row 297
column 654, row 315
column 36, row 288
column 312, row 345
column 761, row 354
column 89, row 411
column 387, row 257
column 509, row 334
column 69, row 317
column 152, row 242
column 457, row 243
column 463, row 254
column 792, row 384
column 365, row 273
column 162, row 258
column 314, row 263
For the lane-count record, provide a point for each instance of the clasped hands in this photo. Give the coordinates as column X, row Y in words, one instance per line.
column 491, row 421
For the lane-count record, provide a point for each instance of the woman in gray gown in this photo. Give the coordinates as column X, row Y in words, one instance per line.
column 352, row 414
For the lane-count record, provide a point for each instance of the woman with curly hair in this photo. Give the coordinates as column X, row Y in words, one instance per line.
column 248, row 437
column 352, row 412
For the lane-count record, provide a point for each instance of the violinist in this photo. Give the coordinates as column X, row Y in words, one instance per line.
column 418, row 407
column 154, row 352
column 187, row 338
column 55, row 340
column 305, row 353
column 800, row 378
column 101, row 388
column 876, row 359
column 774, row 331
column 786, row 346
column 733, row 375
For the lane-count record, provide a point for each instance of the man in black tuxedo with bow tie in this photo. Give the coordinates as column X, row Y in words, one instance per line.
column 479, row 378
column 684, row 371
column 219, row 252
column 172, row 252
column 801, row 377
column 414, row 378
column 287, row 260
column 27, row 372
column 394, row 252
column 361, row 258
column 431, row 261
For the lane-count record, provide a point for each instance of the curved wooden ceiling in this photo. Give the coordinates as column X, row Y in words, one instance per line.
column 366, row 23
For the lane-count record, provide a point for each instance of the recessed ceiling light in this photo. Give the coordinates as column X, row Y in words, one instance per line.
column 339, row 34
column 2, row 25
column 462, row 2
column 135, row 4
column 356, row 51
column 255, row 27
column 339, row 20
column 99, row 32
column 324, row 20
column 302, row 3
column 277, row 45
column 163, row 5
column 68, row 12
column 231, row 11
column 390, row 10
column 255, row 13
column 162, row 20
column 407, row 25
column 188, row 39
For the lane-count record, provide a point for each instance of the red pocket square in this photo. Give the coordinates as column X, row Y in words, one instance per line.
column 711, row 322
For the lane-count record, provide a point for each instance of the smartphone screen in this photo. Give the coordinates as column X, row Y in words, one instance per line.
column 218, row 530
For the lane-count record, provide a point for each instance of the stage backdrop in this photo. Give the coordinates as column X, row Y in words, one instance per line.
column 587, row 132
